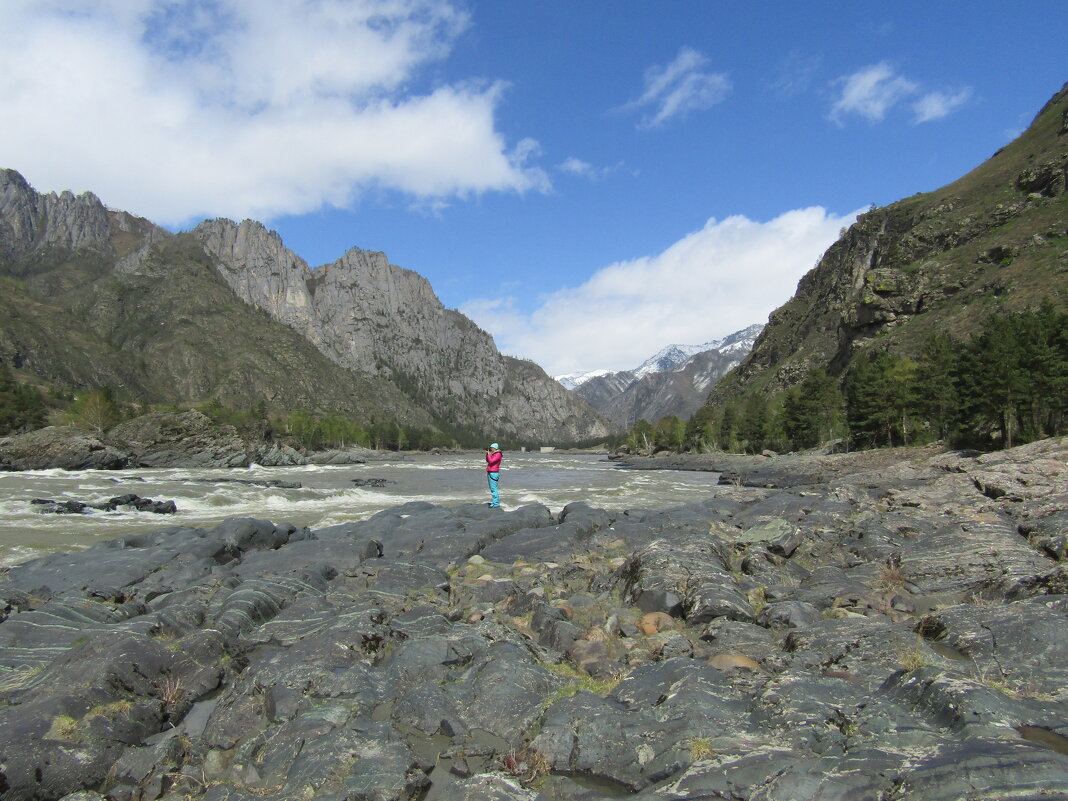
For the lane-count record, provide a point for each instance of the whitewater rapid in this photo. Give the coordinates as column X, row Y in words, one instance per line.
column 327, row 494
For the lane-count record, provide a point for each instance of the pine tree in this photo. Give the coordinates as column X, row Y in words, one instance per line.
column 993, row 383
column 878, row 408
column 934, row 386
column 1012, row 379
column 22, row 407
column 810, row 410
column 701, row 429
column 753, row 426
column 727, row 429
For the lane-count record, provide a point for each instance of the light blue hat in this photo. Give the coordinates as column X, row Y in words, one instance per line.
column 495, row 446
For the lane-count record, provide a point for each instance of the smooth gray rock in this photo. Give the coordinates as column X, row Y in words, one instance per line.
column 378, row 659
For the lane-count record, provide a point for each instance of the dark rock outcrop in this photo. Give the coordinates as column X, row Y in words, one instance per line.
column 157, row 439
column 893, row 632
column 60, row 447
column 129, row 501
column 185, row 439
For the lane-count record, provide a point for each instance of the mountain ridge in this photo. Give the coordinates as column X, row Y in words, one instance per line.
column 227, row 312
column 674, row 381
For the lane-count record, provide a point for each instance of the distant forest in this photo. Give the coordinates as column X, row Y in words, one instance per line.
column 1005, row 386
column 24, row 407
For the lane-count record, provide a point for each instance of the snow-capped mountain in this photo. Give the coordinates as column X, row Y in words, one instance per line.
column 674, row 381
column 674, row 357
column 576, row 380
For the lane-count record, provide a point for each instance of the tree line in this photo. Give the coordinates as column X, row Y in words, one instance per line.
column 24, row 408
column 1006, row 385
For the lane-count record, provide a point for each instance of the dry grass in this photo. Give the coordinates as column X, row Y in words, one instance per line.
column 757, row 599
column 171, row 690
column 111, row 710
column 527, row 765
column 891, row 576
column 63, row 727
column 701, row 748
column 577, row 682
column 914, row 657
column 18, row 678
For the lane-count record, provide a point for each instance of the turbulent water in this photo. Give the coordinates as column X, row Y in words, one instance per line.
column 327, row 495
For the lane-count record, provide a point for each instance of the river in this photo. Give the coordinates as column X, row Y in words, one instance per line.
column 327, row 495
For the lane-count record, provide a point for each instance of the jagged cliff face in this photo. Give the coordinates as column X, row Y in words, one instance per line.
column 92, row 297
column 942, row 261
column 366, row 314
column 29, row 221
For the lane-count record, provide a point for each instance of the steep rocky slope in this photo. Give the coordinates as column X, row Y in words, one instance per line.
column 93, row 296
column 366, row 314
column 997, row 238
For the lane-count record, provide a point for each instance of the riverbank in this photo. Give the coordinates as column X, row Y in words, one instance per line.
column 892, row 628
column 781, row 471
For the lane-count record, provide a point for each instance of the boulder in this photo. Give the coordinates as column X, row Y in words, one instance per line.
column 179, row 439
column 339, row 457
column 61, row 447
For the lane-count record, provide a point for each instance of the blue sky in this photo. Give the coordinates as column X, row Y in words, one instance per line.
column 589, row 180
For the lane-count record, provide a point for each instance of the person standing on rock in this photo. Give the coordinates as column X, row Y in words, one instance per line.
column 493, row 472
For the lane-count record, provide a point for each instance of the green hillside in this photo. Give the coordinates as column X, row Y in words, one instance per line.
column 996, row 240
column 171, row 332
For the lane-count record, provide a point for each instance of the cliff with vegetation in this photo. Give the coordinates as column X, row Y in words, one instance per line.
column 996, row 240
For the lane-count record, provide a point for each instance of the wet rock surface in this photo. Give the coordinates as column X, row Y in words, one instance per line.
column 120, row 502
column 892, row 631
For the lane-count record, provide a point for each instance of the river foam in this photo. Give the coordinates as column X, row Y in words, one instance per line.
column 327, row 494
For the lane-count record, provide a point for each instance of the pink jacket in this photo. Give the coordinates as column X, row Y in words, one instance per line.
column 493, row 462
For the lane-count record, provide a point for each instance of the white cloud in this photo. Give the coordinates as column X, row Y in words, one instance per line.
column 714, row 281
column 576, row 166
column 177, row 108
column 680, row 87
column 873, row 91
column 583, row 169
column 936, row 105
column 870, row 93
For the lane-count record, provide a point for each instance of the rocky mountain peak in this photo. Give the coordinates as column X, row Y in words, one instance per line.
column 261, row 270
column 30, row 221
column 366, row 314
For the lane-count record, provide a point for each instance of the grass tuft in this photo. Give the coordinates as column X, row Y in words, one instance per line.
column 914, row 657
column 701, row 748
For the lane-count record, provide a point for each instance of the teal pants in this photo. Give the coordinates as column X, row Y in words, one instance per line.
column 492, row 478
